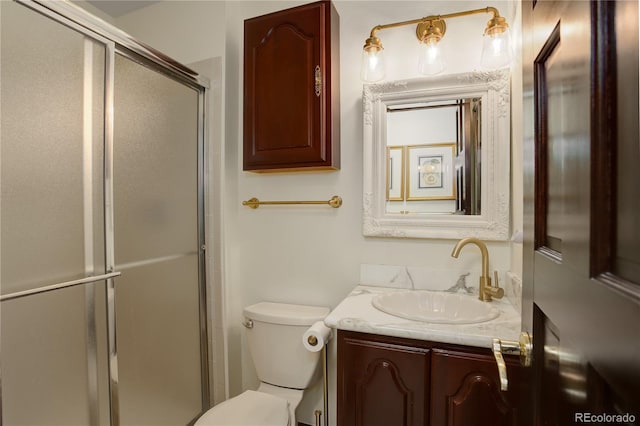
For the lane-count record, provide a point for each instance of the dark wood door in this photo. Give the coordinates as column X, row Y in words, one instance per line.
column 582, row 210
column 465, row 389
column 382, row 381
column 291, row 98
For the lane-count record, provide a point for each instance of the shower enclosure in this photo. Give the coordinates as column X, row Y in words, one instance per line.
column 103, row 314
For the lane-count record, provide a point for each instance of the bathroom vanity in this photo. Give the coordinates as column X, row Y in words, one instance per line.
column 398, row 371
column 382, row 379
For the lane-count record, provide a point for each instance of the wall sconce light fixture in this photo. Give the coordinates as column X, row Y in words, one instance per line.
column 496, row 47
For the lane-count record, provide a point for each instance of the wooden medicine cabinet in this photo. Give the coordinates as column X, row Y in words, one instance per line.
column 291, row 90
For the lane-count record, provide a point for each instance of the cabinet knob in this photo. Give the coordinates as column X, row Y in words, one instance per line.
column 523, row 347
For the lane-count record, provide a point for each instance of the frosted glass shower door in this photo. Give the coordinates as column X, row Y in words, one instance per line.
column 54, row 356
column 155, row 163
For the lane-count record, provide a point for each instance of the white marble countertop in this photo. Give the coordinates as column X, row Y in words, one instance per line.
column 356, row 313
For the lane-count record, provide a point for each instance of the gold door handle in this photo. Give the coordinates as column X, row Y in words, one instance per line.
column 523, row 347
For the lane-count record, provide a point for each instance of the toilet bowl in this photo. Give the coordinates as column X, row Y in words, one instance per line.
column 250, row 408
column 284, row 367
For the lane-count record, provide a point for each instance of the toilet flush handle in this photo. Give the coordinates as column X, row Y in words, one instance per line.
column 247, row 323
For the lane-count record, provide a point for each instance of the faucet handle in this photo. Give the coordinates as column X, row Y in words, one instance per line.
column 495, row 290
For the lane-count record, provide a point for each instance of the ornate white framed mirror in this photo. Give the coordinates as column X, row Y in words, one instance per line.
column 437, row 157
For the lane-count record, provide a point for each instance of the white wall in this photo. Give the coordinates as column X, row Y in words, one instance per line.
column 186, row 30
column 94, row 10
column 311, row 255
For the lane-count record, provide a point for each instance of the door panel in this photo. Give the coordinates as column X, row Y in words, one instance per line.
column 48, row 195
column 54, row 358
column 382, row 382
column 275, row 122
column 156, row 247
column 562, row 90
column 159, row 343
column 465, row 392
column 626, row 261
column 581, row 229
column 155, row 164
column 47, row 364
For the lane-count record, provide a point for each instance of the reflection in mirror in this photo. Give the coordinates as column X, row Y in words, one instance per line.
column 436, row 157
column 433, row 157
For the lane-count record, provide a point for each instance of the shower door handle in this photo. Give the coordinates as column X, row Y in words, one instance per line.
column 59, row 286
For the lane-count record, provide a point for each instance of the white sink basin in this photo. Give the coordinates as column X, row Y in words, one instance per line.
column 435, row 307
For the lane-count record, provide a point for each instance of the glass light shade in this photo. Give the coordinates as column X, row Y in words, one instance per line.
column 430, row 60
column 372, row 67
column 496, row 49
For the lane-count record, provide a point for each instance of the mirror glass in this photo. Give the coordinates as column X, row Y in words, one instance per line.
column 437, row 156
column 433, row 157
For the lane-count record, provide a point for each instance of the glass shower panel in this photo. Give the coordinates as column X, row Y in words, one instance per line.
column 45, row 362
column 155, row 164
column 52, row 97
column 156, row 246
column 158, row 343
column 52, row 84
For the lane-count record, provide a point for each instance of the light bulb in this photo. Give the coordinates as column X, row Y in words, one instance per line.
column 496, row 49
column 430, row 57
column 372, row 67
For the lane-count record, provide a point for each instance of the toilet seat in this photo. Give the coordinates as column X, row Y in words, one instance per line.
column 250, row 408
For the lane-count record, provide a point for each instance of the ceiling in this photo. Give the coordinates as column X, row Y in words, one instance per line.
column 117, row 8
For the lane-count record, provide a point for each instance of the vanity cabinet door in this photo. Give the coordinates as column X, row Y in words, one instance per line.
column 291, row 96
column 382, row 381
column 465, row 389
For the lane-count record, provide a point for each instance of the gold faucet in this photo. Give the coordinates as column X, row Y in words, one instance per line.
column 486, row 291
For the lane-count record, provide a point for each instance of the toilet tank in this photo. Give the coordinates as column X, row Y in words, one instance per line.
column 275, row 342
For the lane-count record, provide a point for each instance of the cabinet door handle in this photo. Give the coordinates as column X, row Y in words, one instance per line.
column 523, row 348
column 318, row 81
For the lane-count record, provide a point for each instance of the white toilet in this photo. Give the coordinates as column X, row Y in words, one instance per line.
column 285, row 368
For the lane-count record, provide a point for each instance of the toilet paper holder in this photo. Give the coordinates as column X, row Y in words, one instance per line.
column 314, row 341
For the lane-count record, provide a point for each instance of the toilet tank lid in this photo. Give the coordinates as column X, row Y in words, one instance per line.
column 286, row 314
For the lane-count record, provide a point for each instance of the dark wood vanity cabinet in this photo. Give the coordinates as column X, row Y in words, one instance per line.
column 382, row 381
column 465, row 388
column 291, row 90
column 389, row 381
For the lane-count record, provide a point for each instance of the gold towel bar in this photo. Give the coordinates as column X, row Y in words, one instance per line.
column 254, row 203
